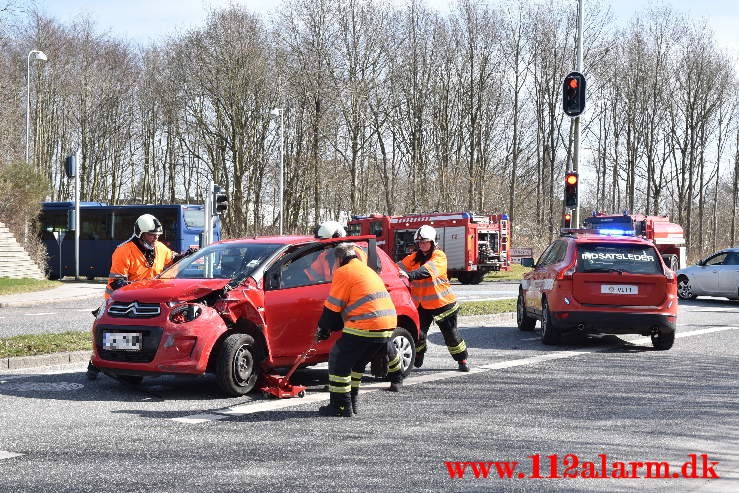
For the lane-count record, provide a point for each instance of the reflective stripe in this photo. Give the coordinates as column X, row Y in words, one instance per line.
column 115, row 275
column 366, row 299
column 445, row 314
column 461, row 347
column 368, row 333
column 421, row 347
column 377, row 314
column 356, row 375
column 342, row 384
column 340, row 390
column 394, row 364
column 337, row 302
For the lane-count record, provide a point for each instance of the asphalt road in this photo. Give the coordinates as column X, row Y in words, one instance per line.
column 591, row 400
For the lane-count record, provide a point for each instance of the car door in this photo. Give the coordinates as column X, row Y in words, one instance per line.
column 541, row 279
column 728, row 276
column 706, row 277
column 293, row 303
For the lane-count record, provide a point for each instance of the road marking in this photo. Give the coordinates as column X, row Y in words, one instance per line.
column 531, row 339
column 729, row 309
column 272, row 404
column 41, row 313
column 4, row 454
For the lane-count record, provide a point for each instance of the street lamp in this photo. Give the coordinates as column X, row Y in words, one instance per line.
column 279, row 112
column 38, row 55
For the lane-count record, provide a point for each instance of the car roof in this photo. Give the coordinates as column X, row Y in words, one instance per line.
column 581, row 238
column 289, row 240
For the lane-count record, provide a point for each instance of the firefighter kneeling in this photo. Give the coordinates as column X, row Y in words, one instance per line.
column 360, row 306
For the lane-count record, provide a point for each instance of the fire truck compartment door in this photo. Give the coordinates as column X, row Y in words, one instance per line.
column 454, row 247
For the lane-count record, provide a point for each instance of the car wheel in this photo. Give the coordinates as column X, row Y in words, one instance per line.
column 406, row 346
column 663, row 340
column 464, row 278
column 130, row 379
column 684, row 291
column 235, row 369
column 550, row 334
column 524, row 322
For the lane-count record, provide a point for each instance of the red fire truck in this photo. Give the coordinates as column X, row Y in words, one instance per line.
column 667, row 237
column 474, row 243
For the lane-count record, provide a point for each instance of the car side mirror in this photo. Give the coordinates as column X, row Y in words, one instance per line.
column 272, row 279
column 527, row 262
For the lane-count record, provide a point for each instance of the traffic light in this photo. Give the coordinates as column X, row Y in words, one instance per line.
column 220, row 200
column 573, row 94
column 567, row 220
column 571, row 180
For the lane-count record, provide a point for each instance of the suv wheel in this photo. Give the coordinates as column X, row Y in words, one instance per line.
column 684, row 291
column 523, row 321
column 406, row 347
column 550, row 334
column 235, row 366
column 663, row 341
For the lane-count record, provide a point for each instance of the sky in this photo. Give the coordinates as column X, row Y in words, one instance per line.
column 145, row 21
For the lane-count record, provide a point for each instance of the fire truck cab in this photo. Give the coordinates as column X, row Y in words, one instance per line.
column 668, row 237
column 474, row 244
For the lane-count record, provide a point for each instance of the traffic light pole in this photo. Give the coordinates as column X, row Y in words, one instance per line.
column 576, row 120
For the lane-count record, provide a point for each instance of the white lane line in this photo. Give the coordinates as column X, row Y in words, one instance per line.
column 4, row 454
column 531, row 339
column 271, row 405
column 40, row 313
column 729, row 309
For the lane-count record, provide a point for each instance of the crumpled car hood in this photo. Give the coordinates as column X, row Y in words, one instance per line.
column 164, row 290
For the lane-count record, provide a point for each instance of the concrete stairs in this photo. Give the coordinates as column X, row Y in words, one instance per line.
column 14, row 261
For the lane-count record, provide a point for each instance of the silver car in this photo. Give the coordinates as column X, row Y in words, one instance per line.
column 716, row 275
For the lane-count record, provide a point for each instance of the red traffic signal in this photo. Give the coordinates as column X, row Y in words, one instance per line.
column 573, row 94
column 567, row 220
column 571, row 180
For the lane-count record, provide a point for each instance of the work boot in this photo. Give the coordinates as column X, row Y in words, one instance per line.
column 339, row 406
column 463, row 366
column 355, row 406
column 395, row 386
column 418, row 362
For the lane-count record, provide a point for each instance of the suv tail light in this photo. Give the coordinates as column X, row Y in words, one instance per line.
column 567, row 272
column 670, row 275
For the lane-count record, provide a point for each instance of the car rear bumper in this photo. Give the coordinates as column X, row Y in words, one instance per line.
column 614, row 322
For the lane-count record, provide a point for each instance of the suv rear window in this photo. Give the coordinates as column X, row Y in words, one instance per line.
column 611, row 257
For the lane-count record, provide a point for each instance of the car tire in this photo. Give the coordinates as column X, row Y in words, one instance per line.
column 406, row 347
column 235, row 367
column 550, row 335
column 684, row 290
column 524, row 322
column 662, row 341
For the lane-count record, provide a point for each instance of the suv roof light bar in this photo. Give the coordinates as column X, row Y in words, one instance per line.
column 599, row 231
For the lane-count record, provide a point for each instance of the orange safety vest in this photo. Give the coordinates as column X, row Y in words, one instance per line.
column 129, row 263
column 430, row 292
column 360, row 295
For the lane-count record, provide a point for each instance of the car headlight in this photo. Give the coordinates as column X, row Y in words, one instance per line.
column 185, row 313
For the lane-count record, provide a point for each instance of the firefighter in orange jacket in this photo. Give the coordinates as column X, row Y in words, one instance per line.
column 360, row 306
column 142, row 256
column 432, row 292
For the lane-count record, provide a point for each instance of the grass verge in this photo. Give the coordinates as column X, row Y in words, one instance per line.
column 36, row 344
column 15, row 286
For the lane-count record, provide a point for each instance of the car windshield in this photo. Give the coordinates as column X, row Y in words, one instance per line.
column 614, row 257
column 222, row 261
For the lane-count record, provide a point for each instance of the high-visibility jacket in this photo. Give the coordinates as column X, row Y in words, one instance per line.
column 128, row 263
column 320, row 269
column 435, row 290
column 360, row 296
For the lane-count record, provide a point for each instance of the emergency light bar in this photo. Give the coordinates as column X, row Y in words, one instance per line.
column 602, row 232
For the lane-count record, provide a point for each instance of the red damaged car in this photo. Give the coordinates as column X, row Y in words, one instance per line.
column 236, row 308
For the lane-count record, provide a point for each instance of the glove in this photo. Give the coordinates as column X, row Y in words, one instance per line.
column 322, row 334
column 403, row 273
column 119, row 283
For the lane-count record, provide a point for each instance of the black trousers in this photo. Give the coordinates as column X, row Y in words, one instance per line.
column 446, row 318
column 349, row 357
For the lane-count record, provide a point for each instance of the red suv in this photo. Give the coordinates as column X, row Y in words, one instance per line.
column 236, row 308
column 600, row 284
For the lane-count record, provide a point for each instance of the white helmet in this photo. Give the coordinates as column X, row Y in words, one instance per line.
column 425, row 232
column 147, row 223
column 330, row 229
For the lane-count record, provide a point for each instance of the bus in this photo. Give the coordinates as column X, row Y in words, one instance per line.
column 103, row 227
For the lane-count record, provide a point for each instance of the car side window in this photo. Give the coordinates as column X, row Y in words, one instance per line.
column 717, row 259
column 732, row 259
column 544, row 259
column 553, row 254
column 303, row 270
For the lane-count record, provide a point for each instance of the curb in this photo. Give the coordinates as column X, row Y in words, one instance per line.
column 23, row 362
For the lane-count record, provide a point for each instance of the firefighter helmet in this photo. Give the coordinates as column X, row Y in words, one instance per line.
column 425, row 233
column 147, row 223
column 330, row 229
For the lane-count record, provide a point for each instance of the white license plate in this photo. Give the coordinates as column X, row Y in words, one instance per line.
column 126, row 341
column 619, row 289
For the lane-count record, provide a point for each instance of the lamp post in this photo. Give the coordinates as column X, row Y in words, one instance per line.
column 279, row 112
column 38, row 55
